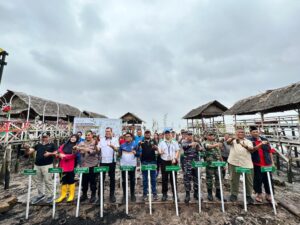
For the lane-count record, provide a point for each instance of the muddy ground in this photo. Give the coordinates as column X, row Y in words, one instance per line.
column 163, row 213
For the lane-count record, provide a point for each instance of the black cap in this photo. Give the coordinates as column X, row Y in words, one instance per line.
column 252, row 128
column 189, row 133
column 183, row 131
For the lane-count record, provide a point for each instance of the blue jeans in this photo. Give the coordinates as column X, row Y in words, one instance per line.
column 153, row 179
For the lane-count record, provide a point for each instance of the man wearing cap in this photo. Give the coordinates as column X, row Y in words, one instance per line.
column 190, row 154
column 240, row 156
column 148, row 157
column 169, row 151
column 261, row 158
column 212, row 153
column 108, row 147
column 45, row 152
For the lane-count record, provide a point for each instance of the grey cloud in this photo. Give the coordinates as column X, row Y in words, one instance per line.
column 149, row 57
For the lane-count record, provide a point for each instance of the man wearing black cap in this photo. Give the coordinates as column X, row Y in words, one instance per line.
column 261, row 158
column 169, row 151
column 148, row 157
column 45, row 152
column 190, row 154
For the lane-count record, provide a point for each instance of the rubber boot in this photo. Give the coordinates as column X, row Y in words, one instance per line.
column 63, row 193
column 71, row 192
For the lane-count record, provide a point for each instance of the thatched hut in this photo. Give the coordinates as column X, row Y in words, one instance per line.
column 209, row 110
column 131, row 122
column 37, row 107
column 277, row 100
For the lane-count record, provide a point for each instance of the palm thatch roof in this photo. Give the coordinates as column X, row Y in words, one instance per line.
column 277, row 100
column 92, row 115
column 131, row 118
column 209, row 110
column 20, row 104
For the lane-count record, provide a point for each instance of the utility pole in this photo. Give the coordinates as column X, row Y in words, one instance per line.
column 3, row 54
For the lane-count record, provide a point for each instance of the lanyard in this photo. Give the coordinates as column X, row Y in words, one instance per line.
column 169, row 148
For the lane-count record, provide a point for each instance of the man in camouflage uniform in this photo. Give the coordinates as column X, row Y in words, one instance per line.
column 190, row 150
column 212, row 153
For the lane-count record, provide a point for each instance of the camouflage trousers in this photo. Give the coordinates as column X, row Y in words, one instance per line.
column 190, row 175
column 211, row 173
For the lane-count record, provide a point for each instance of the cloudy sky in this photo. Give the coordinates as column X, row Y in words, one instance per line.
column 150, row 57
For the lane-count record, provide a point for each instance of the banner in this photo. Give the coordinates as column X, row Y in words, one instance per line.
column 97, row 125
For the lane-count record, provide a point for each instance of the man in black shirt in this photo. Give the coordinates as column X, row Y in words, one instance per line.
column 45, row 152
column 148, row 148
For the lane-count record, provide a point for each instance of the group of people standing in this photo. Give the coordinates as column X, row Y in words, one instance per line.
column 159, row 149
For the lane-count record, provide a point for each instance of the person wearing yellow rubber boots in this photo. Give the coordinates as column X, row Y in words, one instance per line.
column 67, row 162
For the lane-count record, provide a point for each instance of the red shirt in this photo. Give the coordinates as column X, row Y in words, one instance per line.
column 262, row 161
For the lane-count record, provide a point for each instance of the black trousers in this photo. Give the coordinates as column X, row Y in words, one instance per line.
column 225, row 159
column 261, row 179
column 68, row 178
column 158, row 163
column 166, row 176
column 111, row 174
column 131, row 175
column 89, row 179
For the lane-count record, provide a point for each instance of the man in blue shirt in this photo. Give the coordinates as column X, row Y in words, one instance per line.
column 78, row 155
column 80, row 139
column 128, row 153
column 139, row 137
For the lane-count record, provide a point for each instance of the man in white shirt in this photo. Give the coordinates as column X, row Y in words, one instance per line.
column 108, row 149
column 169, row 152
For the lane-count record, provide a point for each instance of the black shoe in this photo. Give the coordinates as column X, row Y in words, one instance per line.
column 164, row 197
column 250, row 200
column 93, row 199
column 233, row 198
column 187, row 197
column 178, row 200
column 218, row 194
column 124, row 200
column 155, row 197
column 133, row 198
column 196, row 197
column 83, row 197
column 209, row 195
column 98, row 201
column 112, row 198
column 145, row 198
